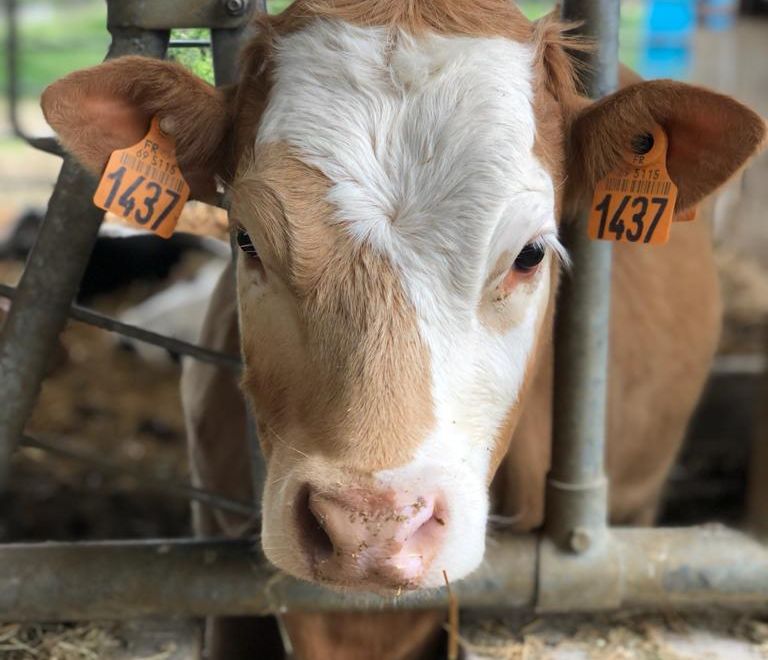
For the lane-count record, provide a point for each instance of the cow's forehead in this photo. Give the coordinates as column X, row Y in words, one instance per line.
column 427, row 142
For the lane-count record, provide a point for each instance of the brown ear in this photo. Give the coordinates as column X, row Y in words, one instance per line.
column 108, row 107
column 710, row 137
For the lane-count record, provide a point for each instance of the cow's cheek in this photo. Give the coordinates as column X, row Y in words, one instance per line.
column 274, row 359
column 525, row 318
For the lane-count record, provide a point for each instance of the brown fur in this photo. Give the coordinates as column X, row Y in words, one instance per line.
column 380, row 636
column 107, row 107
column 222, row 467
column 487, row 18
column 477, row 18
column 250, row 97
column 214, row 464
column 665, row 307
column 662, row 342
column 539, row 363
column 523, row 447
column 556, row 93
column 360, row 330
column 710, row 137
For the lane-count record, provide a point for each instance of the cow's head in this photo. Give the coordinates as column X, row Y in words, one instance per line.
column 397, row 173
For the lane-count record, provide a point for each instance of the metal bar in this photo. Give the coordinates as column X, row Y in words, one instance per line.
column 171, row 14
column 745, row 364
column 695, row 568
column 577, row 488
column 172, row 488
column 757, row 493
column 226, row 46
column 121, row 580
column 52, row 274
column 135, row 40
column 178, row 346
column 258, row 464
column 51, row 277
column 189, row 43
column 690, row 568
column 47, row 144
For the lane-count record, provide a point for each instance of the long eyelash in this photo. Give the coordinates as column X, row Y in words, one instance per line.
column 552, row 242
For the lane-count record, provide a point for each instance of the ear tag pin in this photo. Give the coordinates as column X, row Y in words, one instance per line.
column 143, row 183
column 635, row 202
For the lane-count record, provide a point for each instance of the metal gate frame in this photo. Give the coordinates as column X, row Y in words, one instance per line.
column 577, row 563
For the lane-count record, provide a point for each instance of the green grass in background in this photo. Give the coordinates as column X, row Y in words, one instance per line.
column 55, row 39
column 198, row 60
column 276, row 6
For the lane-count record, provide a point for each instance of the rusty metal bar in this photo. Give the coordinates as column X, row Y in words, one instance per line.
column 51, row 277
column 85, row 315
column 170, row 14
column 682, row 568
column 577, row 489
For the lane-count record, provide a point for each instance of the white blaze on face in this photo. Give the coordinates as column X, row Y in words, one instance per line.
column 428, row 144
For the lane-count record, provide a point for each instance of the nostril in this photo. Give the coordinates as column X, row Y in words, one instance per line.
column 426, row 528
column 423, row 511
column 314, row 537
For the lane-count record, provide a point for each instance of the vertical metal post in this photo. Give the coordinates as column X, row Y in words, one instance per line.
column 577, row 488
column 757, row 493
column 226, row 45
column 52, row 276
column 49, row 283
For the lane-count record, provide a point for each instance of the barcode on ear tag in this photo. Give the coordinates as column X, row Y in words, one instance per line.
column 143, row 183
column 635, row 203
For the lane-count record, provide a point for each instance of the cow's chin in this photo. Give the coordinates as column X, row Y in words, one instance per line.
column 385, row 536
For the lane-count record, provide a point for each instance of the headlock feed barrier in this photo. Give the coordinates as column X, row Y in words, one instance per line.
column 576, row 563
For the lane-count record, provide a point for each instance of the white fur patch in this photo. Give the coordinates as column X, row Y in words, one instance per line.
column 428, row 143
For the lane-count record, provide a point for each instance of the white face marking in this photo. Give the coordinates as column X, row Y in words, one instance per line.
column 428, row 144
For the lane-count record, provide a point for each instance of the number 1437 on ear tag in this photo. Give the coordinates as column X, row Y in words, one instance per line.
column 635, row 203
column 143, row 183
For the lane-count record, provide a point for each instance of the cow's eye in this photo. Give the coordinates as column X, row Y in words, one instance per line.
column 530, row 257
column 245, row 243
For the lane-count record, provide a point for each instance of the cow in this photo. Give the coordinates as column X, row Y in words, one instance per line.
column 398, row 172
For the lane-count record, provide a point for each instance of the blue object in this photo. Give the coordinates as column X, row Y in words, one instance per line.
column 669, row 36
column 718, row 14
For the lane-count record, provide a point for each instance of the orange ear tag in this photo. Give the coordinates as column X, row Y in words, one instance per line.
column 635, row 203
column 143, row 183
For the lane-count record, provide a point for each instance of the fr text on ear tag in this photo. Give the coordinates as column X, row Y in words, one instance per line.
column 143, row 183
column 635, row 202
